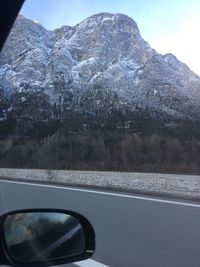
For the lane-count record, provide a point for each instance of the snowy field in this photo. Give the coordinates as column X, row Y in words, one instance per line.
column 185, row 186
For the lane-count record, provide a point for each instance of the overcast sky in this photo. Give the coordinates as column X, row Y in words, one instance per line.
column 170, row 26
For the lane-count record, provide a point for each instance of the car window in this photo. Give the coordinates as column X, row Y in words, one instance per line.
column 105, row 95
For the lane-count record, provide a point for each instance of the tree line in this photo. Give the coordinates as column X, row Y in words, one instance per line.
column 108, row 152
column 114, row 141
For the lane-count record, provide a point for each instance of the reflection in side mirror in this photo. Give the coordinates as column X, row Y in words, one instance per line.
column 51, row 237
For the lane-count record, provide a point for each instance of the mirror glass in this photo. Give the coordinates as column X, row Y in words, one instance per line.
column 37, row 236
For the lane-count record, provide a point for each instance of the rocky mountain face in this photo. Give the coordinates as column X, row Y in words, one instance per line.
column 99, row 66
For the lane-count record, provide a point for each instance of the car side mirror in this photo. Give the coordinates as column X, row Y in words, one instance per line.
column 44, row 237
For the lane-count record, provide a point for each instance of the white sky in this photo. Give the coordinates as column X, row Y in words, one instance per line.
column 184, row 43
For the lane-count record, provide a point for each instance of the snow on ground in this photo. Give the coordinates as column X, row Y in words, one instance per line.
column 186, row 186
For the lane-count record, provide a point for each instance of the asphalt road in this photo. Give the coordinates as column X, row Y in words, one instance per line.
column 131, row 230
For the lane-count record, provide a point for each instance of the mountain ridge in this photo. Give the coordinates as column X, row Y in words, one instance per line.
column 98, row 66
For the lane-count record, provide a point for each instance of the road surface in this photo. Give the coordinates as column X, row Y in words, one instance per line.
column 131, row 230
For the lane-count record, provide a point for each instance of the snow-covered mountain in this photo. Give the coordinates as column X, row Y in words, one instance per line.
column 100, row 64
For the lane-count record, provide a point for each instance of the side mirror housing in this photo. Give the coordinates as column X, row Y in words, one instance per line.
column 45, row 237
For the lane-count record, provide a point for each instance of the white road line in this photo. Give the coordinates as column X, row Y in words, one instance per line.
column 105, row 193
column 89, row 263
